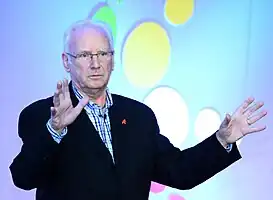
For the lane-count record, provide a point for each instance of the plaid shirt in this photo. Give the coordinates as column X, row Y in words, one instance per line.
column 97, row 115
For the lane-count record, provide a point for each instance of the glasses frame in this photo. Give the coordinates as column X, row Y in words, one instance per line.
column 80, row 55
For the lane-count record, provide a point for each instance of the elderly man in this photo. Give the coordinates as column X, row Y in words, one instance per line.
column 85, row 143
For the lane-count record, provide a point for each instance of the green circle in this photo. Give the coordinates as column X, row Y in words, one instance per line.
column 107, row 15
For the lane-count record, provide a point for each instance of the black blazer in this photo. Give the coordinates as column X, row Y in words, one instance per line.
column 81, row 167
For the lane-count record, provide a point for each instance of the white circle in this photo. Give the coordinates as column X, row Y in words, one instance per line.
column 239, row 142
column 171, row 112
column 207, row 122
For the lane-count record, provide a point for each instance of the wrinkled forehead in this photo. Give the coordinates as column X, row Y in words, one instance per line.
column 89, row 38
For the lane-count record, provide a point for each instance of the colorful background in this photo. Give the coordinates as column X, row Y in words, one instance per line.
column 190, row 61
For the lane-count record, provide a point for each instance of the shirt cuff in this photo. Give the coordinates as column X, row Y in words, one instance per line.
column 55, row 135
column 229, row 148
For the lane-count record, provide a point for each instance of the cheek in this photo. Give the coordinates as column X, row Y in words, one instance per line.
column 109, row 68
column 79, row 72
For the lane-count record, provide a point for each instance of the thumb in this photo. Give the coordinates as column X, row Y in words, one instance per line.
column 226, row 121
column 81, row 105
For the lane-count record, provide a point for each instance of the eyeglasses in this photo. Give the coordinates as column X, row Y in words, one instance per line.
column 88, row 56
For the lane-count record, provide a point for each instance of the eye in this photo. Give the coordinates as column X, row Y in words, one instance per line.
column 80, row 55
column 83, row 55
column 103, row 53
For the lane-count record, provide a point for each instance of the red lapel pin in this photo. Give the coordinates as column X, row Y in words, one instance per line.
column 124, row 121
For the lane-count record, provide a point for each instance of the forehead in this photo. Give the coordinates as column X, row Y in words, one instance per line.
column 89, row 39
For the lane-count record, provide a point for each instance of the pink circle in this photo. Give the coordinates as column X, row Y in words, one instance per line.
column 157, row 188
column 176, row 197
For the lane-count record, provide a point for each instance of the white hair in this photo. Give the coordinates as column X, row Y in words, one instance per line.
column 103, row 27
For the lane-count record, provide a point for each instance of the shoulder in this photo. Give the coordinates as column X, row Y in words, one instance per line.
column 36, row 108
column 33, row 117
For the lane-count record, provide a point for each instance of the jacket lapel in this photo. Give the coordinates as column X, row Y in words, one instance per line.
column 86, row 132
column 119, row 130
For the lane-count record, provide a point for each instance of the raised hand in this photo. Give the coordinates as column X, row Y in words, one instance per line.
column 63, row 113
column 241, row 122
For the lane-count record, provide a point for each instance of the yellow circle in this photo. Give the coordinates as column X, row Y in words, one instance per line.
column 179, row 11
column 146, row 54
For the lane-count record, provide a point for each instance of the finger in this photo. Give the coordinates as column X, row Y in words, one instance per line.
column 255, row 129
column 56, row 98
column 64, row 86
column 80, row 106
column 253, row 108
column 253, row 119
column 60, row 90
column 245, row 105
column 59, row 85
column 228, row 117
column 53, row 111
column 66, row 89
column 57, row 95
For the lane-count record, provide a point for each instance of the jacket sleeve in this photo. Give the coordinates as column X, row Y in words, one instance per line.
column 190, row 167
column 31, row 168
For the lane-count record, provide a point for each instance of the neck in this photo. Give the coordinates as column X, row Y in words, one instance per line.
column 97, row 96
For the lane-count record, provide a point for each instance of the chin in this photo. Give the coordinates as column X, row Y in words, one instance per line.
column 96, row 85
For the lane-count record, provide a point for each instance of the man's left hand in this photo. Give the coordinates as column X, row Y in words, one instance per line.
column 241, row 123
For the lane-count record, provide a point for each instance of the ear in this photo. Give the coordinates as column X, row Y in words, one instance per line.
column 113, row 65
column 65, row 62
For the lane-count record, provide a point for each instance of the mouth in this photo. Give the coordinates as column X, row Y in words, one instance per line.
column 95, row 76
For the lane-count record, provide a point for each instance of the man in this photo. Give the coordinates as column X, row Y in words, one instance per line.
column 86, row 143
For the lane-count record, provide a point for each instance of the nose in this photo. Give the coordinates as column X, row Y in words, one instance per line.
column 95, row 63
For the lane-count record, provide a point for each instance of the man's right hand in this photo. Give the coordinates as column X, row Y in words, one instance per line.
column 63, row 113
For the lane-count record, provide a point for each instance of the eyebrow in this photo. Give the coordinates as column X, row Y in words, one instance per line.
column 84, row 51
